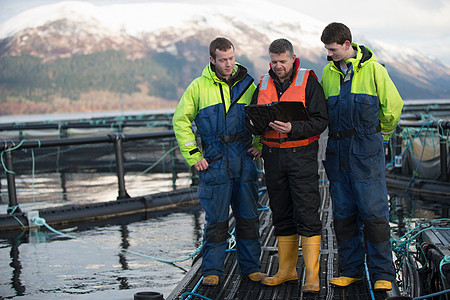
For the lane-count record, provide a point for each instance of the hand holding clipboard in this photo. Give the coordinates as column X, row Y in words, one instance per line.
column 285, row 111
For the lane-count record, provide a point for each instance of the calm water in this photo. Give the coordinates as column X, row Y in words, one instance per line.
column 40, row 264
column 44, row 265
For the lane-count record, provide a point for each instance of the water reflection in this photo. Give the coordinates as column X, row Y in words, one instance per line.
column 43, row 264
column 56, row 189
column 16, row 267
column 122, row 258
column 63, row 180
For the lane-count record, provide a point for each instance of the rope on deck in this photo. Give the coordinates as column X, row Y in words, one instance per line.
column 432, row 295
column 401, row 245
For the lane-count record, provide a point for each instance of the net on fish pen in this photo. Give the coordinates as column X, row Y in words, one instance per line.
column 86, row 171
column 422, row 158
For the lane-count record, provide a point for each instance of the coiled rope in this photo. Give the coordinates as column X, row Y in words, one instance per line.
column 401, row 245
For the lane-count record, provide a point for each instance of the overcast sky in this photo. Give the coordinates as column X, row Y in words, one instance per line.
column 421, row 24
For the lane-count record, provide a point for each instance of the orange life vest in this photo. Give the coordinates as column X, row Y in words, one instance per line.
column 295, row 92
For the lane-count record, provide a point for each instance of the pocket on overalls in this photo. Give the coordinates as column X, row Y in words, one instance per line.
column 367, row 159
column 215, row 174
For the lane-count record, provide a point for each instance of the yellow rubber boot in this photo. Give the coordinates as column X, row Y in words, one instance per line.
column 211, row 280
column 382, row 285
column 311, row 249
column 287, row 261
column 343, row 281
column 257, row 276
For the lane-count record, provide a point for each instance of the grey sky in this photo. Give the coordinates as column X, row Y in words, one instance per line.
column 420, row 24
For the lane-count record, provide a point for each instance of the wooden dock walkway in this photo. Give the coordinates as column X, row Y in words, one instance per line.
column 234, row 286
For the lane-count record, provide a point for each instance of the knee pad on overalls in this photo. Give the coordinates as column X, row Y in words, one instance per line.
column 217, row 232
column 247, row 229
column 346, row 228
column 377, row 230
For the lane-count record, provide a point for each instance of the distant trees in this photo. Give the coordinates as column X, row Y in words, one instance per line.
column 24, row 76
column 28, row 77
column 26, row 82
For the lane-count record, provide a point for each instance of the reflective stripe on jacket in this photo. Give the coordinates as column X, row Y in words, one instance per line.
column 296, row 92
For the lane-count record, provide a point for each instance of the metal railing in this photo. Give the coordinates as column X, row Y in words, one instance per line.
column 7, row 147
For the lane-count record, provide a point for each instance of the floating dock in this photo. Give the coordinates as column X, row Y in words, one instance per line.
column 90, row 212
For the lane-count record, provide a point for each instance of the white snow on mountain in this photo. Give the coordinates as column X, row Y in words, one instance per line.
column 251, row 24
column 136, row 18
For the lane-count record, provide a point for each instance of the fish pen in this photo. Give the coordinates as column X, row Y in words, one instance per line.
column 36, row 163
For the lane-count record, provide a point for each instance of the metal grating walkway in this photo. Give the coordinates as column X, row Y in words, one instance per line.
column 234, row 286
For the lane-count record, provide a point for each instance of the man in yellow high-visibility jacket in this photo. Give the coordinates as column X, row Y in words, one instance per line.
column 364, row 108
column 227, row 170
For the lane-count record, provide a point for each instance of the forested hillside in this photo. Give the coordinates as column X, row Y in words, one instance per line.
column 27, row 84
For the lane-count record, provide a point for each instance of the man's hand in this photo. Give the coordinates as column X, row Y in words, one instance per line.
column 281, row 127
column 201, row 165
column 255, row 152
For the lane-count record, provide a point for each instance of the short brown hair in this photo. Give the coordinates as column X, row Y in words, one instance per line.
column 336, row 33
column 220, row 43
column 281, row 46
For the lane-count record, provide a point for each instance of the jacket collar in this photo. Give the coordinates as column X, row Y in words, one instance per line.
column 239, row 72
column 363, row 55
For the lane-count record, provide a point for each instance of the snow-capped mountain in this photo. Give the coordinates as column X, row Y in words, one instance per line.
column 70, row 28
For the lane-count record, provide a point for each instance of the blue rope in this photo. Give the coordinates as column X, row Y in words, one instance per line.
column 231, row 241
column 444, row 261
column 401, row 245
column 368, row 277
column 196, row 286
column 42, row 222
column 194, row 294
column 259, row 171
column 432, row 295
column 260, row 192
column 410, row 143
column 159, row 160
column 13, row 209
column 10, row 149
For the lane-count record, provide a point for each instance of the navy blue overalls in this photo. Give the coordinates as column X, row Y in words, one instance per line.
column 355, row 168
column 229, row 180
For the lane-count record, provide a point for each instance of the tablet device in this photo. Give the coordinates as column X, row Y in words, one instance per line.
column 285, row 111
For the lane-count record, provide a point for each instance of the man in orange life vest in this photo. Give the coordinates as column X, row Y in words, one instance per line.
column 290, row 161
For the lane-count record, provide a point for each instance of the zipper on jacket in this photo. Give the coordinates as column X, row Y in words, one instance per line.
column 224, row 106
column 242, row 93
